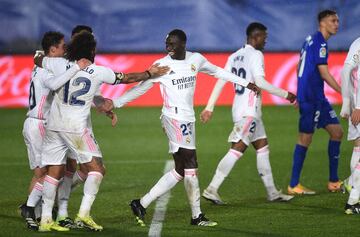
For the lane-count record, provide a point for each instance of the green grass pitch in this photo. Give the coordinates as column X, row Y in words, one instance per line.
column 135, row 153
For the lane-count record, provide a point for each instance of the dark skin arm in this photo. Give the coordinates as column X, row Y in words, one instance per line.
column 154, row 71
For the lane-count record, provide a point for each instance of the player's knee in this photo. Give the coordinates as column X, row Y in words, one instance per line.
column 305, row 140
column 337, row 134
column 83, row 169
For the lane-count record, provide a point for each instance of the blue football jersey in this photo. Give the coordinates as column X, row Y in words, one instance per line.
column 310, row 84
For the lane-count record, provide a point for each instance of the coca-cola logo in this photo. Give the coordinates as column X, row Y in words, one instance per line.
column 15, row 73
column 14, row 81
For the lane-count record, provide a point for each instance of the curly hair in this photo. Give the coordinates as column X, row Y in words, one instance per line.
column 77, row 29
column 83, row 45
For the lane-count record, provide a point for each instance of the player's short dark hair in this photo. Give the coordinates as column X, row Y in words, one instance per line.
column 179, row 33
column 51, row 38
column 79, row 28
column 325, row 13
column 253, row 27
column 82, row 45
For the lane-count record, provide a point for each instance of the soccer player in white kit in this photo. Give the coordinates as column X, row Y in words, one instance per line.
column 178, row 120
column 351, row 110
column 68, row 126
column 40, row 98
column 248, row 63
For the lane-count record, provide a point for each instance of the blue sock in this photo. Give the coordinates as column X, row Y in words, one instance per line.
column 298, row 161
column 334, row 153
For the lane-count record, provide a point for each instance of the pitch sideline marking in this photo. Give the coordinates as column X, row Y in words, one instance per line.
column 160, row 208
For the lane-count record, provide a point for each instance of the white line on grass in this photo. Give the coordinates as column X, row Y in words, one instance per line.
column 160, row 208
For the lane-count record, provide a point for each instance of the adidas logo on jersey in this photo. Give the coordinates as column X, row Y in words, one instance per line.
column 171, row 72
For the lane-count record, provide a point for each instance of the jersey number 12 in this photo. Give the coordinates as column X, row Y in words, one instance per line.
column 72, row 98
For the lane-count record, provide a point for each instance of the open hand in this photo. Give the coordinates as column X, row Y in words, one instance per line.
column 155, row 70
column 291, row 97
column 83, row 63
column 254, row 88
column 113, row 118
column 205, row 116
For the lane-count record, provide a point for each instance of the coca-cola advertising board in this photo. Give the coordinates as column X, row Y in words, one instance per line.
column 280, row 70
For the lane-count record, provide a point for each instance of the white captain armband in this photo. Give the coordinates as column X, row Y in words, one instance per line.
column 119, row 76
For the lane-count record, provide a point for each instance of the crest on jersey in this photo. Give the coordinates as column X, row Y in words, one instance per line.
column 193, row 68
column 188, row 140
column 322, row 52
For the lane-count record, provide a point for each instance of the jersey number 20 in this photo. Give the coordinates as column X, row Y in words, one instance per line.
column 240, row 73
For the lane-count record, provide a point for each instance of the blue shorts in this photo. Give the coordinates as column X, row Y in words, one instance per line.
column 316, row 115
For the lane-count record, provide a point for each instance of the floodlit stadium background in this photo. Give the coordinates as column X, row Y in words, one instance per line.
column 131, row 35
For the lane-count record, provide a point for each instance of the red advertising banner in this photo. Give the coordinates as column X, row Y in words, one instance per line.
column 280, row 69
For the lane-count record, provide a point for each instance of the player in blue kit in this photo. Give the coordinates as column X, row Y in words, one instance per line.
column 315, row 109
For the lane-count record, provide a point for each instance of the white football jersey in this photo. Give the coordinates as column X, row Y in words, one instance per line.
column 178, row 85
column 70, row 110
column 247, row 63
column 353, row 59
column 40, row 97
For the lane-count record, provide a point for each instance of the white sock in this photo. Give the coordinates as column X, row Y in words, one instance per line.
column 264, row 169
column 91, row 188
column 49, row 192
column 191, row 183
column 355, row 157
column 165, row 183
column 64, row 194
column 355, row 177
column 223, row 169
column 78, row 178
column 35, row 195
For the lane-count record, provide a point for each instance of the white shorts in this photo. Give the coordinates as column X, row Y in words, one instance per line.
column 34, row 133
column 248, row 130
column 179, row 133
column 353, row 131
column 57, row 146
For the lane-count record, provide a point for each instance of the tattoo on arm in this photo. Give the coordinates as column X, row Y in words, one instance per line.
column 135, row 77
column 98, row 100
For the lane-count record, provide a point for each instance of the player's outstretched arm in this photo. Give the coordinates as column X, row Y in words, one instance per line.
column 326, row 76
column 154, row 71
column 55, row 83
column 206, row 114
column 265, row 85
column 345, row 90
